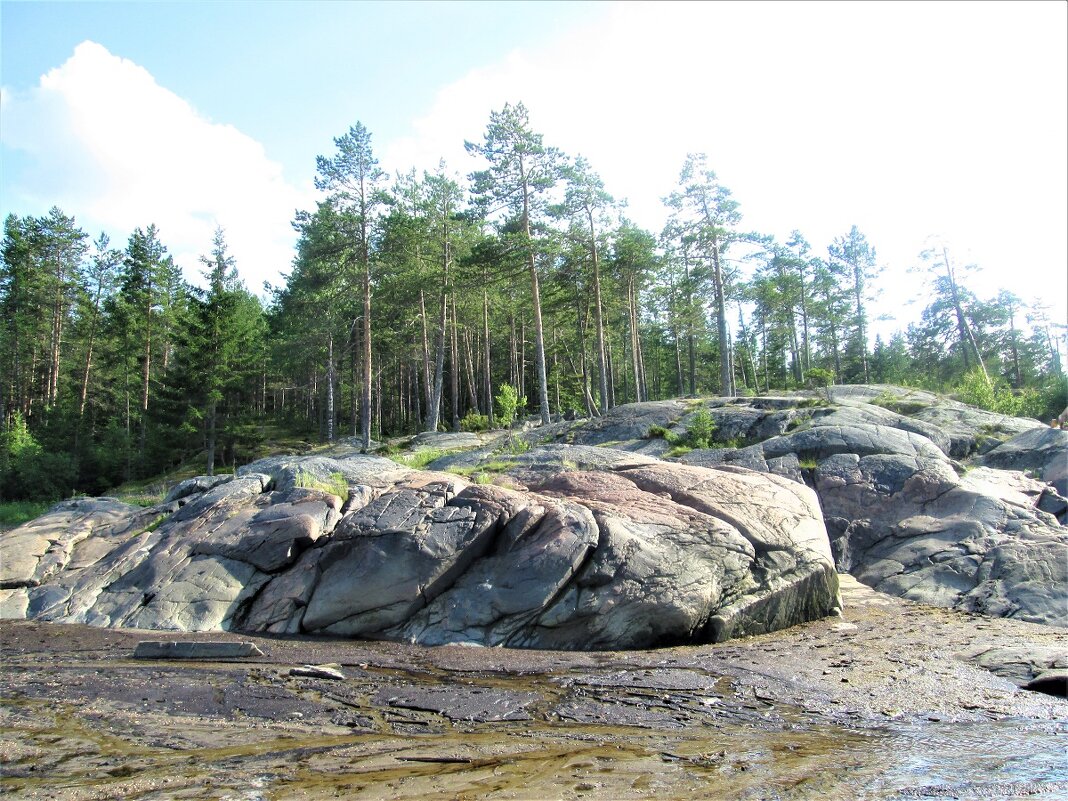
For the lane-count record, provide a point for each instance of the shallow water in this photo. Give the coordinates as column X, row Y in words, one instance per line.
column 977, row 760
column 754, row 721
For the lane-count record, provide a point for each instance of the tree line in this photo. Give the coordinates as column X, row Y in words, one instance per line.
column 427, row 302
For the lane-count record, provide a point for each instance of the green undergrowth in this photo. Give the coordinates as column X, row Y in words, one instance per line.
column 418, row 460
column 899, row 404
column 152, row 490
column 485, row 473
column 335, row 483
column 15, row 513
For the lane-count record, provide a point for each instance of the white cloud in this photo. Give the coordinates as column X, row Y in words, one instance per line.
column 904, row 119
column 103, row 141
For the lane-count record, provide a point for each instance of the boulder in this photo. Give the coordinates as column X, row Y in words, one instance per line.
column 899, row 514
column 1041, row 450
column 629, row 423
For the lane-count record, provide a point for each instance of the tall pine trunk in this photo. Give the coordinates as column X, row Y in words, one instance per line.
column 598, row 316
column 535, row 293
column 487, row 365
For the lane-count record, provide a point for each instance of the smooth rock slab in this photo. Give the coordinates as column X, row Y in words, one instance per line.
column 461, row 703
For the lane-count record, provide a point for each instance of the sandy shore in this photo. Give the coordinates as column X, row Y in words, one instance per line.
column 884, row 702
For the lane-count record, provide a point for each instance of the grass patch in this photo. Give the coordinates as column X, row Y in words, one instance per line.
column 335, row 483
column 678, row 450
column 15, row 513
column 419, row 459
column 155, row 524
column 813, row 403
column 498, row 466
column 659, row 432
column 511, row 446
column 899, row 404
column 808, row 463
column 143, row 498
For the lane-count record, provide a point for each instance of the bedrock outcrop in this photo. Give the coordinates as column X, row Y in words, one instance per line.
column 923, row 497
column 585, row 548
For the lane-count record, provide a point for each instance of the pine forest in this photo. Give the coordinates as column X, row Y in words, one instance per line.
column 447, row 302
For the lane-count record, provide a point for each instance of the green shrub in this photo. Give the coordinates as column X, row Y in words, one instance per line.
column 44, row 476
column 474, row 422
column 818, row 377
column 700, row 428
column 514, row 446
column 28, row 471
column 508, row 403
column 419, row 459
column 995, row 395
column 659, row 432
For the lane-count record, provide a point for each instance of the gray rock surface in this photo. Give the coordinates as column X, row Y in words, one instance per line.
column 588, row 543
column 903, row 516
column 601, row 549
column 1042, row 451
column 627, row 423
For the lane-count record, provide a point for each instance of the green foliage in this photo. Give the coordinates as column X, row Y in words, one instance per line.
column 1043, row 403
column 507, row 403
column 335, row 483
column 30, row 472
column 155, row 523
column 700, row 428
column 474, row 422
column 419, row 459
column 992, row 395
column 15, row 513
column 898, row 403
column 808, row 462
column 659, row 432
column 817, row 377
column 513, row 445
column 678, row 450
column 498, row 465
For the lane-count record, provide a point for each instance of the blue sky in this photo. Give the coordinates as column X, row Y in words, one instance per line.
column 907, row 119
column 291, row 74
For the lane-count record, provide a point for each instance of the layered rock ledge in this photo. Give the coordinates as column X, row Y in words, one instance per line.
column 923, row 497
column 585, row 548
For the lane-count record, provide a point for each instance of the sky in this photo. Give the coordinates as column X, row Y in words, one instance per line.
column 917, row 122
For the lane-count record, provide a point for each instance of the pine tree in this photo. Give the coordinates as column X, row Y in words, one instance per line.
column 521, row 172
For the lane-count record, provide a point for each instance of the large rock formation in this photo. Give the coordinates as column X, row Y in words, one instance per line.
column 904, row 513
column 599, row 549
column 590, row 542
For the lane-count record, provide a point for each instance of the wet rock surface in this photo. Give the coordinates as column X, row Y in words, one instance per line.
column 888, row 701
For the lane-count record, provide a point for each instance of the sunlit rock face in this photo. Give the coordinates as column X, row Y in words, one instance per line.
column 923, row 497
column 582, row 548
column 590, row 542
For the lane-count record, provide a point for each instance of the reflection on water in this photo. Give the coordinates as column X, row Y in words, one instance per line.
column 1003, row 759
